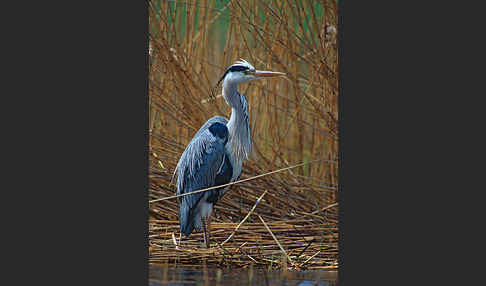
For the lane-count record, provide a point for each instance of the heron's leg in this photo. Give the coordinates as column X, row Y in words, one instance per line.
column 206, row 238
column 208, row 226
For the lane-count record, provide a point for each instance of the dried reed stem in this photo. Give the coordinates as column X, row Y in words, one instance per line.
column 246, row 217
column 276, row 240
column 303, row 263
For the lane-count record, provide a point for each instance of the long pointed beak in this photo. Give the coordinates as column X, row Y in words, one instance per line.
column 258, row 73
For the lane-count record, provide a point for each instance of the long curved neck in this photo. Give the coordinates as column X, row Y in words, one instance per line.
column 239, row 141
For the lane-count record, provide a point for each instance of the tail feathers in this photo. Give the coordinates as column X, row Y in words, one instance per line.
column 186, row 222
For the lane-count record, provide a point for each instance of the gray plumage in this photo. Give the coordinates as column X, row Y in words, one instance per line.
column 197, row 169
column 217, row 151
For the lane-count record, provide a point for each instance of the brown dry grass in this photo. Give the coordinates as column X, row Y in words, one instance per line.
column 292, row 120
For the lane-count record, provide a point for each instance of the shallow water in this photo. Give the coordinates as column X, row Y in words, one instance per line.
column 188, row 276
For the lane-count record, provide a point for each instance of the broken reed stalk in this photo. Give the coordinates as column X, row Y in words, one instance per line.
column 276, row 240
column 303, row 263
column 321, row 210
column 174, row 240
column 246, row 217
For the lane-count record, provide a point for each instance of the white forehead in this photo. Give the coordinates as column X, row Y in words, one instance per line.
column 242, row 62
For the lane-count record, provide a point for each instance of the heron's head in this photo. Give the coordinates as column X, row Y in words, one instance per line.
column 242, row 71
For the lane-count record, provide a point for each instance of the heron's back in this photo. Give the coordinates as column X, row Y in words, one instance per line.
column 203, row 164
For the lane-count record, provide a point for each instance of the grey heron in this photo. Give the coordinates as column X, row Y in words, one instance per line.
column 216, row 153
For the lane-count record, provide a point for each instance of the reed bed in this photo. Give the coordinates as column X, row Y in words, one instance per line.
column 293, row 121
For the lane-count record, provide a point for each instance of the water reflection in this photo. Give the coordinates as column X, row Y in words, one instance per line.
column 195, row 276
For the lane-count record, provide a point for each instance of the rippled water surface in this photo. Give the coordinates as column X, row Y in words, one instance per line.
column 187, row 276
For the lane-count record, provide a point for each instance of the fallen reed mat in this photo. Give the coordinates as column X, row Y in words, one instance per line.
column 301, row 243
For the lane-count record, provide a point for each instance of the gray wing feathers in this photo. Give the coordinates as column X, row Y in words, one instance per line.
column 192, row 158
column 197, row 169
column 199, row 163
